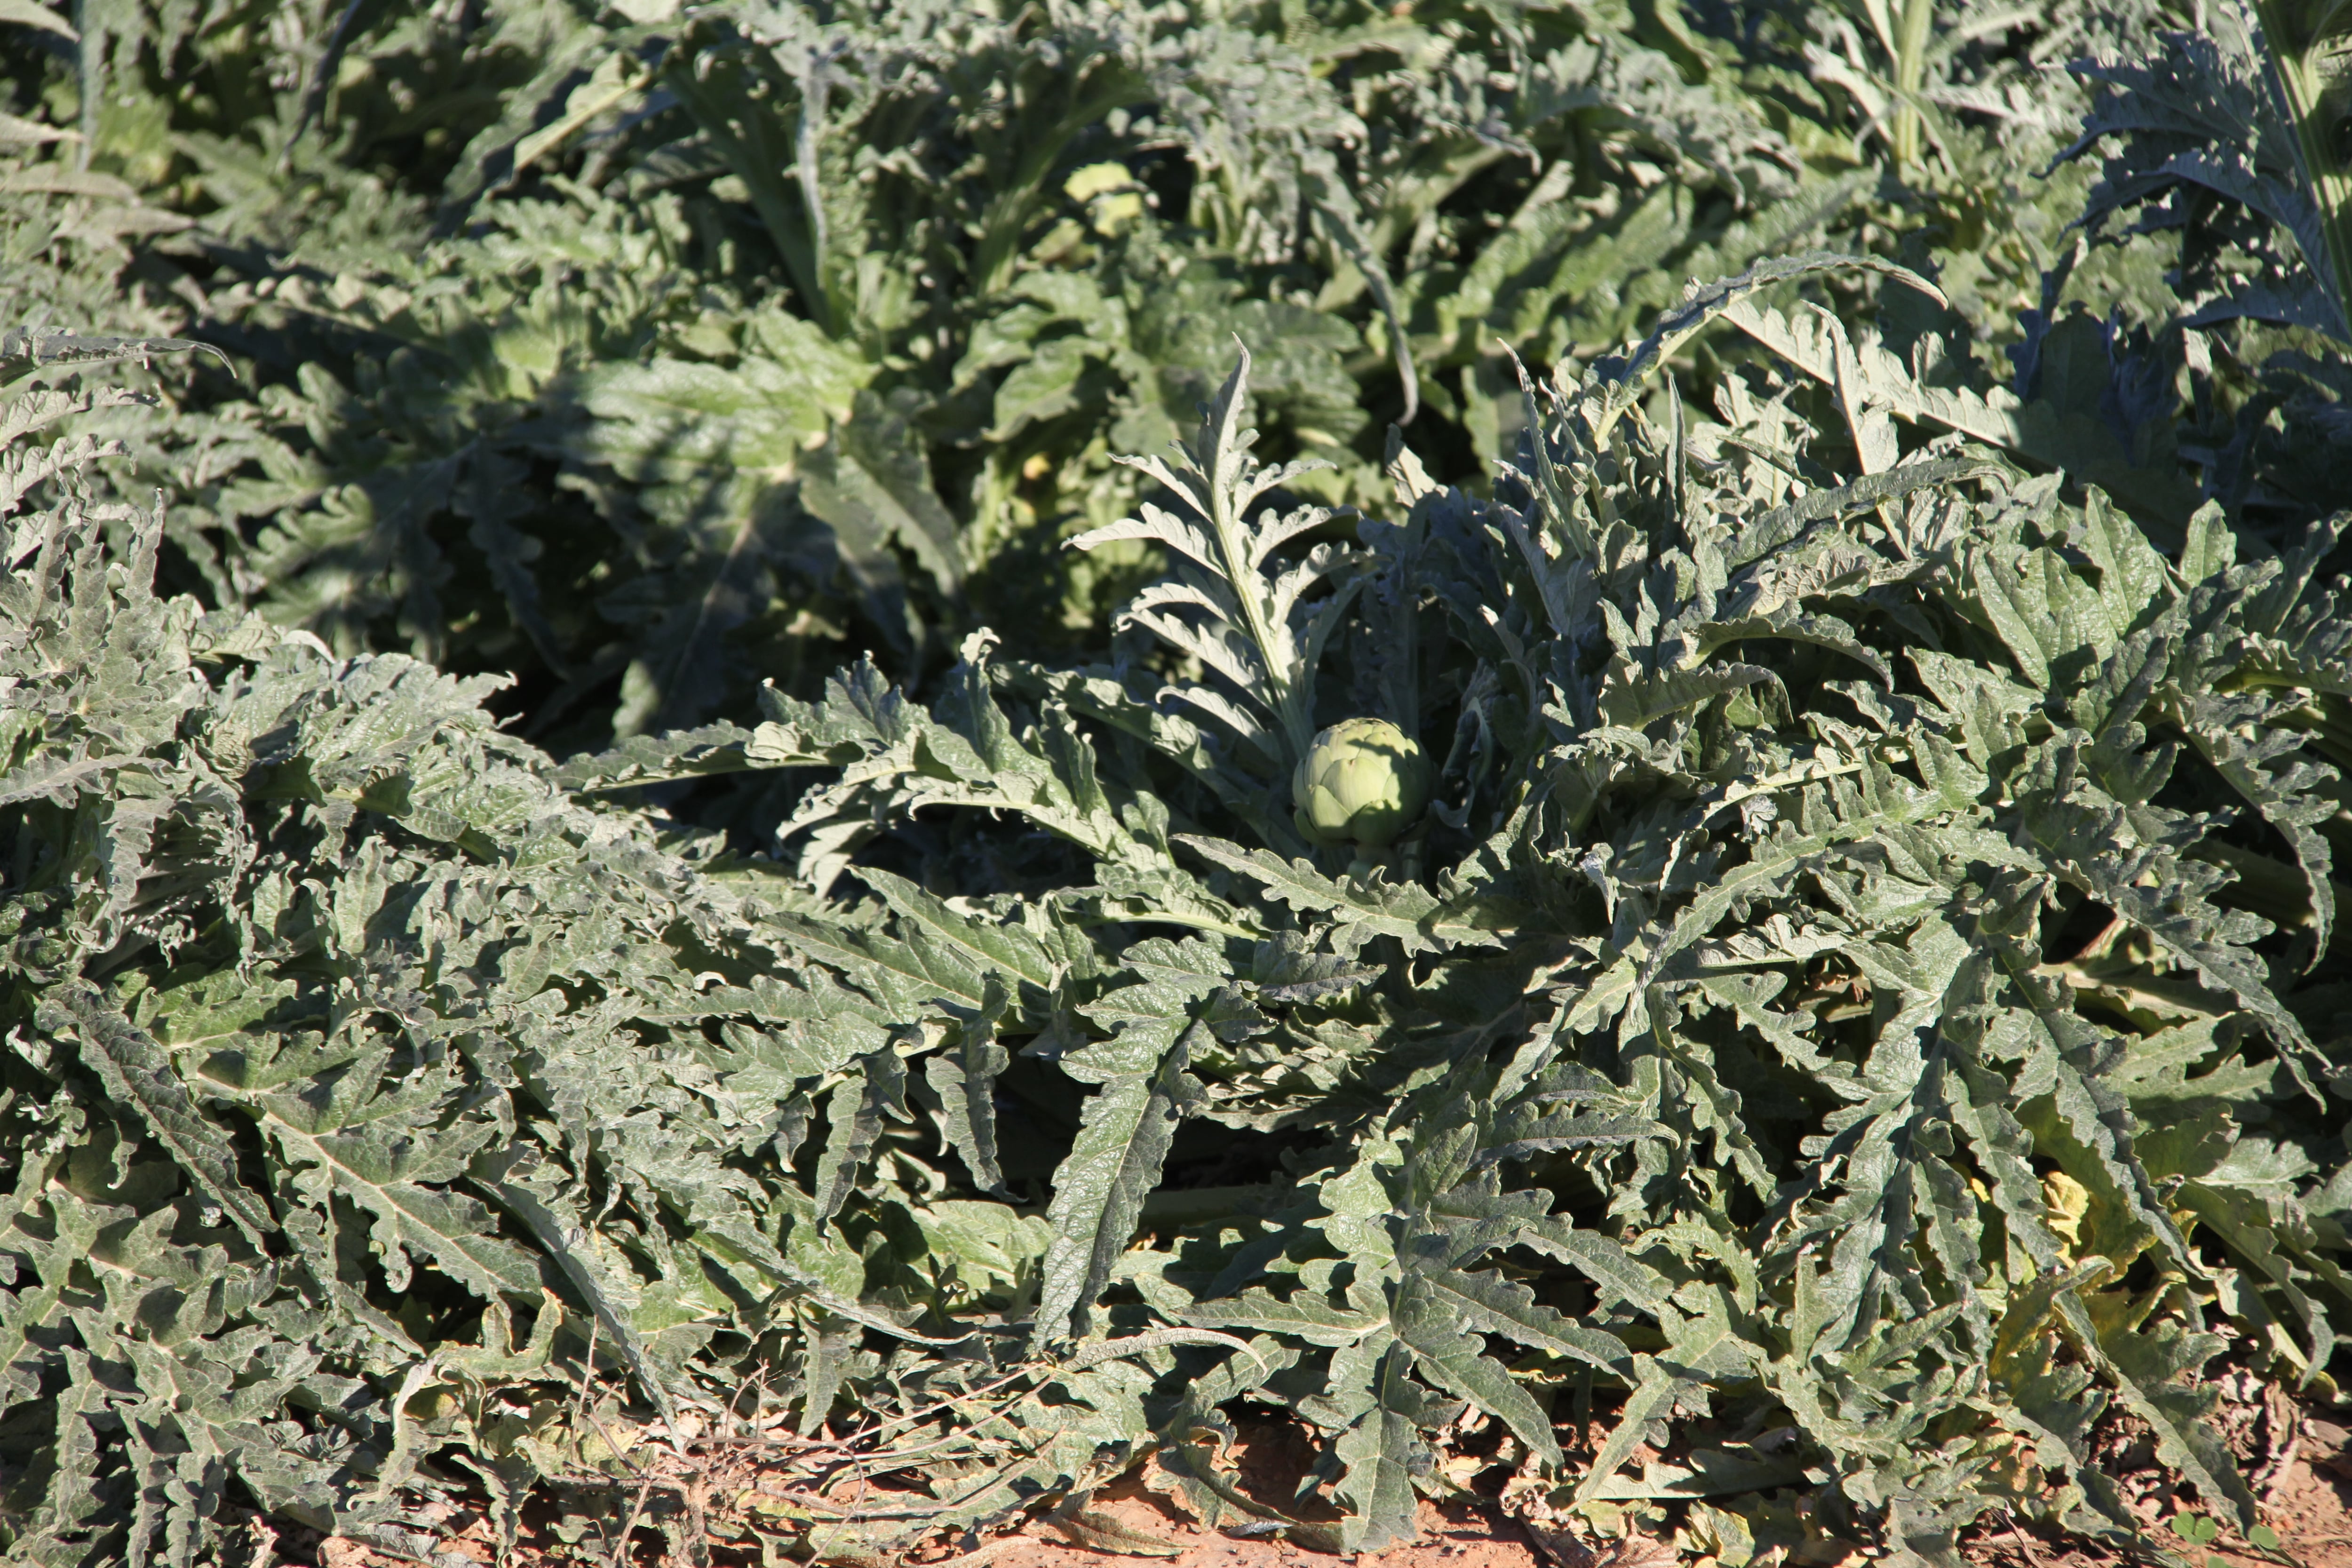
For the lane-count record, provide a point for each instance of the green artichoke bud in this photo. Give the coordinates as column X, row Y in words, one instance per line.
column 1361, row 782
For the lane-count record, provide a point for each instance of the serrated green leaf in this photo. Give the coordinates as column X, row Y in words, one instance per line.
column 1098, row 1190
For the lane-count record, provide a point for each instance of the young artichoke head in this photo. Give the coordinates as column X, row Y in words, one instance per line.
column 1361, row 782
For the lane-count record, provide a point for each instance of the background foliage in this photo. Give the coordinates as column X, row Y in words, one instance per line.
column 626, row 819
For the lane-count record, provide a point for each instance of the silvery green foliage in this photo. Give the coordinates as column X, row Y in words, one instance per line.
column 747, row 331
column 1244, row 614
column 2203, row 116
column 353, row 1061
column 1872, row 919
column 2221, row 141
column 1812, row 871
column 1810, row 868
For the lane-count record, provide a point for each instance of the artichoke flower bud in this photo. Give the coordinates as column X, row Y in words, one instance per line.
column 1361, row 782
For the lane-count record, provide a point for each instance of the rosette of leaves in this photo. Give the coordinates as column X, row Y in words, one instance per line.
column 389, row 1131
column 1869, row 928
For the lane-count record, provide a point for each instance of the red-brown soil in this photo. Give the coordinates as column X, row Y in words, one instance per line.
column 2307, row 1488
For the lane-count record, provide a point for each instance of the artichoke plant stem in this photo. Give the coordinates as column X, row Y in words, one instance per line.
column 2297, row 54
column 1910, row 71
column 91, row 57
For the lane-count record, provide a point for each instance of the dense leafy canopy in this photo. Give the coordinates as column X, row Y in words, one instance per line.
column 1861, row 1013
